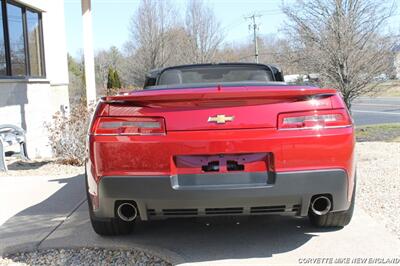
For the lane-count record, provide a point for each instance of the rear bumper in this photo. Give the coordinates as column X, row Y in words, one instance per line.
column 199, row 195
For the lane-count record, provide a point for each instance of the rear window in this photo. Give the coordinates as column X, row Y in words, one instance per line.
column 214, row 74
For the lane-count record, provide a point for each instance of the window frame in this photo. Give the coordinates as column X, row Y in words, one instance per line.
column 6, row 37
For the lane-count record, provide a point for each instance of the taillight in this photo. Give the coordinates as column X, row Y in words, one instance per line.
column 129, row 126
column 317, row 119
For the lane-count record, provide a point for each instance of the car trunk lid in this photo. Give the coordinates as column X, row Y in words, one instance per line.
column 219, row 108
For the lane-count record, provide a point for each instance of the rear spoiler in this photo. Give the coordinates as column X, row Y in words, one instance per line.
column 220, row 93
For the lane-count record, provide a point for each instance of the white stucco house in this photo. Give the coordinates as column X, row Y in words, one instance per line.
column 33, row 68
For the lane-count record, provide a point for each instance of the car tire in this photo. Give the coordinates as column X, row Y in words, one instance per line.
column 111, row 227
column 107, row 227
column 334, row 219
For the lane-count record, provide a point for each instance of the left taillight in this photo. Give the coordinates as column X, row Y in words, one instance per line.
column 317, row 119
column 123, row 126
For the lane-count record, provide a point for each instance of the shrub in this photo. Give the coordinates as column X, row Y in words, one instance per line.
column 67, row 134
column 113, row 82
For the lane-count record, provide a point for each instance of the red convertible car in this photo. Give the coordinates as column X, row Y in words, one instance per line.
column 220, row 139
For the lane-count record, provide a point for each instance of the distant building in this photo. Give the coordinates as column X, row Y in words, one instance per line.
column 396, row 59
column 293, row 78
column 300, row 78
column 33, row 68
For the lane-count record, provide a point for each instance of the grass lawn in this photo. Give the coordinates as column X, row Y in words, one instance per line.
column 380, row 132
column 389, row 88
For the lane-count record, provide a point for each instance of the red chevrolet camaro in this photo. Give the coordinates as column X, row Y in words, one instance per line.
column 220, row 139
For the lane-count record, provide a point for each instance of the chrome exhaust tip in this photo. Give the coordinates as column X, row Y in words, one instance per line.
column 321, row 205
column 127, row 212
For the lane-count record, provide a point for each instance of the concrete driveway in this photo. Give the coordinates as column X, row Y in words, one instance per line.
column 58, row 217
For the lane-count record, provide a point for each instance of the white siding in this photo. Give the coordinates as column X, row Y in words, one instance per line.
column 55, row 43
column 30, row 103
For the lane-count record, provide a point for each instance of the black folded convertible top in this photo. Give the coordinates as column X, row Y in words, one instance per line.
column 156, row 77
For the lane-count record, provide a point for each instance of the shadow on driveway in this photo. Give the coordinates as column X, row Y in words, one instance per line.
column 61, row 220
column 46, row 225
column 218, row 239
column 27, row 165
column 195, row 240
column 27, row 229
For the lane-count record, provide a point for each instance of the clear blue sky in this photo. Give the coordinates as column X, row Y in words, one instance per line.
column 111, row 20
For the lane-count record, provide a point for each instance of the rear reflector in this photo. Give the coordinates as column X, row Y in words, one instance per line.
column 317, row 119
column 129, row 126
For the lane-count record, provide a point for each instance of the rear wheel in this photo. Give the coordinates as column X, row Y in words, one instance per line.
column 107, row 227
column 334, row 219
column 111, row 227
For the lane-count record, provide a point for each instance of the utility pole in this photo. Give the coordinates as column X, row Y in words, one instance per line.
column 255, row 28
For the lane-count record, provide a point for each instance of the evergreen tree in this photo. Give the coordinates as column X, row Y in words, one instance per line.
column 113, row 81
column 117, row 81
column 110, row 78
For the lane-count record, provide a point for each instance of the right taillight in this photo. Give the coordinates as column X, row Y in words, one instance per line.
column 123, row 126
column 317, row 119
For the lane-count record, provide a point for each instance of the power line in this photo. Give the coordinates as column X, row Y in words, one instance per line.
column 233, row 25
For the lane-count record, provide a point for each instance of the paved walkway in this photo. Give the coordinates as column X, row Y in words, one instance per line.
column 60, row 219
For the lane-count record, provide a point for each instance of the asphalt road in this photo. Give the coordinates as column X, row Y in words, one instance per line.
column 52, row 213
column 368, row 111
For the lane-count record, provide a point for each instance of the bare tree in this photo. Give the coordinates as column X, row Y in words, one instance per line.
column 160, row 39
column 204, row 31
column 342, row 40
column 104, row 60
column 179, row 45
column 76, row 87
column 149, row 37
column 272, row 50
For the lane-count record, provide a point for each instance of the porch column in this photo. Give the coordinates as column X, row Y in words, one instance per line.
column 90, row 81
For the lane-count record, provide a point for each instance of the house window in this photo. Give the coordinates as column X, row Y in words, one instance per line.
column 21, row 49
column 3, row 66
column 33, row 29
column 16, row 38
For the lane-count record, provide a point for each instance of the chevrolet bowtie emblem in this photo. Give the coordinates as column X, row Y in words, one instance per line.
column 220, row 119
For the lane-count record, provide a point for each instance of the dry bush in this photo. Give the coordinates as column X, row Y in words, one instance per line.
column 67, row 135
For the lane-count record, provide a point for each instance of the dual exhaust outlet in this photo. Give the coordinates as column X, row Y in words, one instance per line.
column 321, row 205
column 127, row 212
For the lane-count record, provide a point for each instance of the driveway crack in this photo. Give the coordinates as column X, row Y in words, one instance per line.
column 61, row 222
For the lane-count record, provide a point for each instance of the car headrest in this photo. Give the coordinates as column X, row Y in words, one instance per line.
column 170, row 77
column 259, row 77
